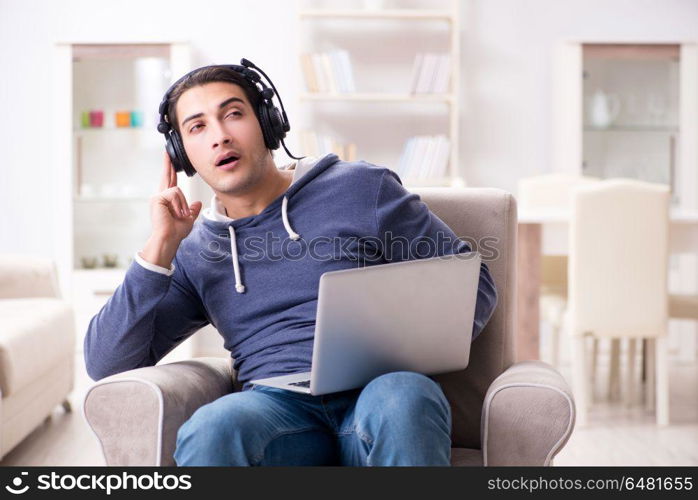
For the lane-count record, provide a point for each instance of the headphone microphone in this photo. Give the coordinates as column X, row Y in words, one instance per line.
column 274, row 124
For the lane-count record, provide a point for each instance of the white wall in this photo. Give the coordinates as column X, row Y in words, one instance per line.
column 506, row 79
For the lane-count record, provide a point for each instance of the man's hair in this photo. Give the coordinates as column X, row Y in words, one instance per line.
column 210, row 75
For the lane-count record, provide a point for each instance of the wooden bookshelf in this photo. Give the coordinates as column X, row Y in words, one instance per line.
column 361, row 17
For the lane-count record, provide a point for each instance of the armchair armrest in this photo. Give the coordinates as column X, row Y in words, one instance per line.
column 527, row 417
column 135, row 414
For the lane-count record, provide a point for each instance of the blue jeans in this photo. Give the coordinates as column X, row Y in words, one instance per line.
column 401, row 418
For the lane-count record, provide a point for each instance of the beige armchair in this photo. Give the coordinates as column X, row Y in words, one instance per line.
column 504, row 413
column 37, row 346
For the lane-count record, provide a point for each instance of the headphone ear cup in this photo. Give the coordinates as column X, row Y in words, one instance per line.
column 270, row 139
column 277, row 123
column 169, row 147
column 181, row 162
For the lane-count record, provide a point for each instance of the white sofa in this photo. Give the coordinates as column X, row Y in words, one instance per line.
column 37, row 346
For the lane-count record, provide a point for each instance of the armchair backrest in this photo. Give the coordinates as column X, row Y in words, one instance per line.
column 486, row 218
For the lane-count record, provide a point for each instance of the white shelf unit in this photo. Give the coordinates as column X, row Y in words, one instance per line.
column 570, row 96
column 449, row 16
column 120, row 212
column 121, row 209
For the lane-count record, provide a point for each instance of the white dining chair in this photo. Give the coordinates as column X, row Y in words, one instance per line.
column 618, row 281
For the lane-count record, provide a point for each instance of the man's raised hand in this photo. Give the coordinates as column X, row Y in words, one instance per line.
column 171, row 217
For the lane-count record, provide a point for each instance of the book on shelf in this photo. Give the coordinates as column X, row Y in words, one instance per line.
column 424, row 157
column 442, row 76
column 317, row 145
column 345, row 71
column 416, row 68
column 331, row 78
column 319, row 72
column 328, row 72
column 311, row 80
column 431, row 73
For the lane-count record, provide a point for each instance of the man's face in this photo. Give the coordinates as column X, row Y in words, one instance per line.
column 216, row 119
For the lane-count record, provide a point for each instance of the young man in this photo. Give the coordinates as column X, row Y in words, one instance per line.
column 251, row 267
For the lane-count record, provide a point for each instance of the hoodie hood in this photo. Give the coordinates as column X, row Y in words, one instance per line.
column 216, row 211
column 304, row 171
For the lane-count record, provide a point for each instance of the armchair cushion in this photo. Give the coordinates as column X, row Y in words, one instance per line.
column 528, row 416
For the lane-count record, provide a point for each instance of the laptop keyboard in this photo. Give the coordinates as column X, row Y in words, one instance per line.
column 302, row 383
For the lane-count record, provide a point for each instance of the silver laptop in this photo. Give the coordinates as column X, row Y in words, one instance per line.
column 415, row 315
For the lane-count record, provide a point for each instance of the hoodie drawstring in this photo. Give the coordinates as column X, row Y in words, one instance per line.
column 291, row 233
column 239, row 287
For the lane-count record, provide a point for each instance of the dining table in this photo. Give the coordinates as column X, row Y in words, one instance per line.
column 532, row 227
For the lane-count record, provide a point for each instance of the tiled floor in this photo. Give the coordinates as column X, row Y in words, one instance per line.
column 615, row 435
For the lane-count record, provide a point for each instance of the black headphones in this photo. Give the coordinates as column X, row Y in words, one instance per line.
column 274, row 124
